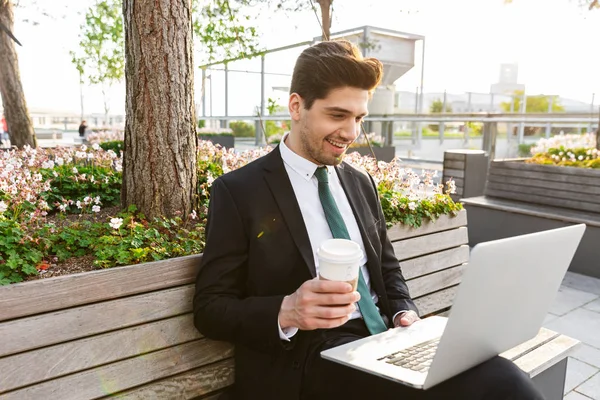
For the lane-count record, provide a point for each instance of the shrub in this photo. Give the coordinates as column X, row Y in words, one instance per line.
column 114, row 145
column 242, row 129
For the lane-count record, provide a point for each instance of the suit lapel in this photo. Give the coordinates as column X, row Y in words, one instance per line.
column 281, row 187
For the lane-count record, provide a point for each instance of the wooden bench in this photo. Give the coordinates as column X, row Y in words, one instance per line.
column 49, row 135
column 522, row 198
column 128, row 332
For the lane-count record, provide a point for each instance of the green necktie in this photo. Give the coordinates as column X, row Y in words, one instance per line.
column 338, row 228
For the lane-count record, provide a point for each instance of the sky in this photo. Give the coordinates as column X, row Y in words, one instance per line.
column 553, row 41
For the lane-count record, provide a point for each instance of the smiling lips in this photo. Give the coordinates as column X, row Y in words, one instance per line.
column 339, row 145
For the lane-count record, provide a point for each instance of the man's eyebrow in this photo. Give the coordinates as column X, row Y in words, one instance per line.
column 343, row 111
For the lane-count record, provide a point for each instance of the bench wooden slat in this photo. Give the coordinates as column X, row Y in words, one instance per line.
column 544, row 336
column 547, row 355
column 432, row 283
column 50, row 362
column 553, row 169
column 416, row 267
column 545, row 192
column 122, row 375
column 51, row 294
column 435, row 302
column 57, row 327
column 540, row 175
column 444, row 223
column 428, row 244
column 189, row 385
column 450, row 155
column 567, row 187
column 530, row 198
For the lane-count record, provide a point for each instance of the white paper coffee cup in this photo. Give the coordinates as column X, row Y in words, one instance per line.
column 339, row 260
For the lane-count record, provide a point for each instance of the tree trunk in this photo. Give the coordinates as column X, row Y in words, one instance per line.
column 325, row 6
column 17, row 117
column 159, row 166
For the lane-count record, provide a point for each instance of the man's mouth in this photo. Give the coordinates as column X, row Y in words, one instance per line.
column 337, row 144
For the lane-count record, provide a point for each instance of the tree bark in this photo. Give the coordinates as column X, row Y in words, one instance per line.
column 17, row 117
column 159, row 166
column 325, row 6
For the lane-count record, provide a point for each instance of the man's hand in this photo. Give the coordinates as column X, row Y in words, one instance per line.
column 318, row 304
column 406, row 319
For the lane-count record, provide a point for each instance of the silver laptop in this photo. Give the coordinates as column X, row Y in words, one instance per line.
column 502, row 301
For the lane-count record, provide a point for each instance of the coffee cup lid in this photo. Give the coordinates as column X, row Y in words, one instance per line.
column 340, row 250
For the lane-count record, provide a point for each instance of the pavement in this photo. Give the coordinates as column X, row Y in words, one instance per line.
column 576, row 313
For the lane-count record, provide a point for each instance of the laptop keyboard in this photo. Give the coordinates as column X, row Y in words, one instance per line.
column 417, row 358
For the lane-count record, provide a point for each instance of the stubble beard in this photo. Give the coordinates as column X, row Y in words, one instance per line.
column 314, row 149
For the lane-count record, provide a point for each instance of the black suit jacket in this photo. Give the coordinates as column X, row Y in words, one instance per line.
column 258, row 251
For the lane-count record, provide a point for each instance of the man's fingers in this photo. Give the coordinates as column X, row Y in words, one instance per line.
column 408, row 318
column 321, row 286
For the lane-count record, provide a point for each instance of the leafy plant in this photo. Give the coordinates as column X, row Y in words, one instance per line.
column 114, row 145
column 242, row 129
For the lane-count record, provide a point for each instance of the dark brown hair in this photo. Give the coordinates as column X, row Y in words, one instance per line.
column 332, row 65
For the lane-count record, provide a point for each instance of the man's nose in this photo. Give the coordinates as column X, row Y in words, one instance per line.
column 351, row 130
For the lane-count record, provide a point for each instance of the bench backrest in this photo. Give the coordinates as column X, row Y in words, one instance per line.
column 564, row 187
column 129, row 330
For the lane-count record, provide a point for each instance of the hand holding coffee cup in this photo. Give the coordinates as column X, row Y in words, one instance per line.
column 339, row 260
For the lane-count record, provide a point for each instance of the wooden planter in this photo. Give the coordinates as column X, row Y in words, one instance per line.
column 386, row 153
column 432, row 258
column 227, row 141
column 564, row 187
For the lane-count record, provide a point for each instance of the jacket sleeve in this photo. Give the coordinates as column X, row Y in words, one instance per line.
column 222, row 309
column 395, row 285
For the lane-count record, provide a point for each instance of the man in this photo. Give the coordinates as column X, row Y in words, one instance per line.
column 257, row 285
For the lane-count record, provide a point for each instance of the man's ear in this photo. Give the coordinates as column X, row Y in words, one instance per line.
column 295, row 105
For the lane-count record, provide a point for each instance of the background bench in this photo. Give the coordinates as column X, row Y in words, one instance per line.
column 129, row 331
column 522, row 198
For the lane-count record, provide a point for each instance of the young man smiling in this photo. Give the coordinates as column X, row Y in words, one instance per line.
column 257, row 285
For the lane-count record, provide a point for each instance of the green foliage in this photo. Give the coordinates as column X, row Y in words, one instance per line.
column 201, row 123
column 242, row 129
column 535, row 104
column 100, row 59
column 224, row 29
column 19, row 252
column 114, row 145
column 475, row 128
column 437, row 106
column 525, row 149
column 100, row 181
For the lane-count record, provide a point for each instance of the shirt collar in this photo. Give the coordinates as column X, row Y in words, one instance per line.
column 303, row 167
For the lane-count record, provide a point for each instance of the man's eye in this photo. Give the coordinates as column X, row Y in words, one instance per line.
column 338, row 116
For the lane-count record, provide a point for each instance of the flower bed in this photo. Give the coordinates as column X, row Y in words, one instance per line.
column 60, row 207
column 567, row 151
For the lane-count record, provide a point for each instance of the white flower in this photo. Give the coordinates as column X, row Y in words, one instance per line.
column 3, row 207
column 580, row 158
column 116, row 223
column 78, row 204
column 60, row 161
column 193, row 215
column 83, row 147
column 96, row 146
column 97, row 200
column 412, row 205
column 75, row 170
column 38, row 177
column 92, row 178
column 90, row 156
column 62, row 207
column 55, row 174
column 96, row 209
column 48, row 164
column 87, row 200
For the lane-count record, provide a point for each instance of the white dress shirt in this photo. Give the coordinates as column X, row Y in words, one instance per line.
column 301, row 173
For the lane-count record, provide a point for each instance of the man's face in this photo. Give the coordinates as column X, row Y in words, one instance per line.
column 331, row 125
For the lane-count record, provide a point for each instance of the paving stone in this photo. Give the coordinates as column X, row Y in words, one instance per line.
column 568, row 299
column 577, row 373
column 582, row 282
column 591, row 387
column 580, row 324
column 587, row 354
column 593, row 306
column 575, row 396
